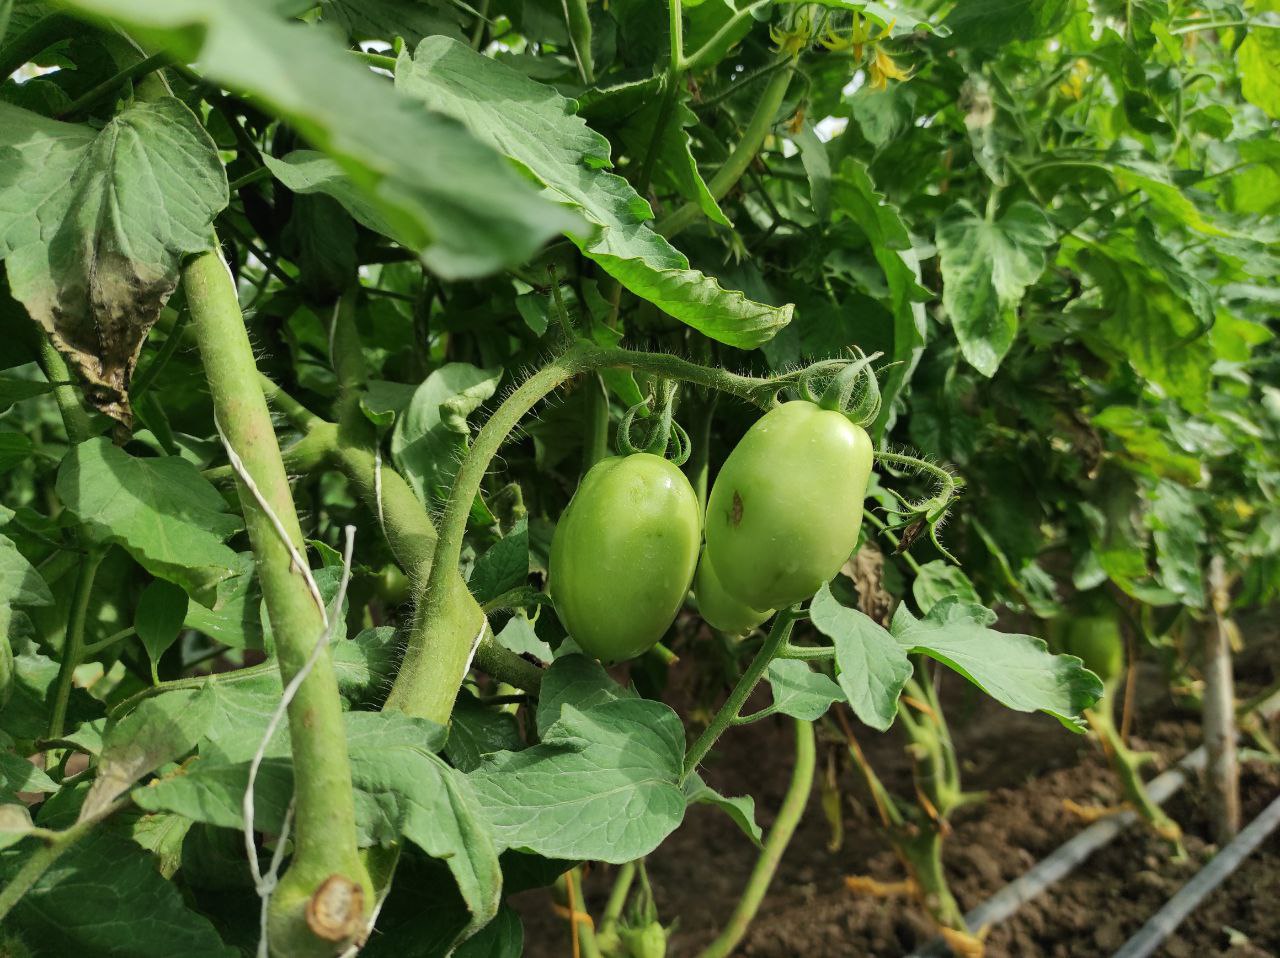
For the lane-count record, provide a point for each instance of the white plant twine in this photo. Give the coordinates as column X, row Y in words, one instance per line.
column 266, row 884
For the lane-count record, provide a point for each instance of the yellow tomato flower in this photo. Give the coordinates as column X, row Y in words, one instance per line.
column 883, row 69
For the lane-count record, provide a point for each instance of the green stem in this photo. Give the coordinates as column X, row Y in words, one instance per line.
column 617, row 898
column 738, row 85
column 595, row 440
column 586, row 933
column 922, row 852
column 37, row 38
column 1126, row 765
column 807, row 653
column 144, row 379
column 404, row 521
column 325, row 835
column 733, row 168
column 74, row 418
column 350, row 446
column 138, row 69
column 708, row 49
column 579, row 21
column 375, row 60
column 73, row 642
column 699, row 459
column 253, row 176
column 246, row 674
column 93, row 648
column 445, row 631
column 732, row 707
column 42, row 859
column 789, row 815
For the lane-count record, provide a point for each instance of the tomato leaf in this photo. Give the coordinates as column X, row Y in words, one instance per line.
column 1016, row 670
column 537, row 128
column 741, row 809
column 169, row 517
column 987, row 264
column 453, row 200
column 871, row 668
column 578, row 681
column 93, row 224
column 75, row 909
column 570, row 796
column 159, row 616
column 799, row 691
column 432, row 433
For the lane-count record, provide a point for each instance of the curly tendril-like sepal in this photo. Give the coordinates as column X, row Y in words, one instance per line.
column 916, row 516
column 664, row 436
column 852, row 391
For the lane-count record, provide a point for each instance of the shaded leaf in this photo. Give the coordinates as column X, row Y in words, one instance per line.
column 871, row 667
column 453, row 200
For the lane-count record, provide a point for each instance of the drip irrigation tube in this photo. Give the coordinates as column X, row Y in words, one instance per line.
column 1164, row 922
column 1061, row 862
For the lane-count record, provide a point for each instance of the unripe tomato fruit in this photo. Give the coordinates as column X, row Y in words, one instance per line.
column 786, row 508
column 1098, row 642
column 719, row 609
column 623, row 555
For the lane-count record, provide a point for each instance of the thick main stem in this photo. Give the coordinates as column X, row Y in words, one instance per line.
column 789, row 815
column 325, row 832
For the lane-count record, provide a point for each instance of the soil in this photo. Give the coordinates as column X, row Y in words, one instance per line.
column 1027, row 765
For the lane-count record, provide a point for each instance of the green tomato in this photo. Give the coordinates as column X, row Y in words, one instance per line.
column 786, row 508
column 648, row 941
column 1098, row 642
column 719, row 609
column 623, row 555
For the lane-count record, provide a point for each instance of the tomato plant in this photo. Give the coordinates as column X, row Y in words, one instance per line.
column 328, row 625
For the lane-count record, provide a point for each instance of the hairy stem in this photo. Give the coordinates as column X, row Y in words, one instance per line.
column 789, row 815
column 445, row 632
column 325, row 835
column 402, row 518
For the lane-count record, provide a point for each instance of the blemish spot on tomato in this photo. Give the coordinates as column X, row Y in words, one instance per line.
column 735, row 515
